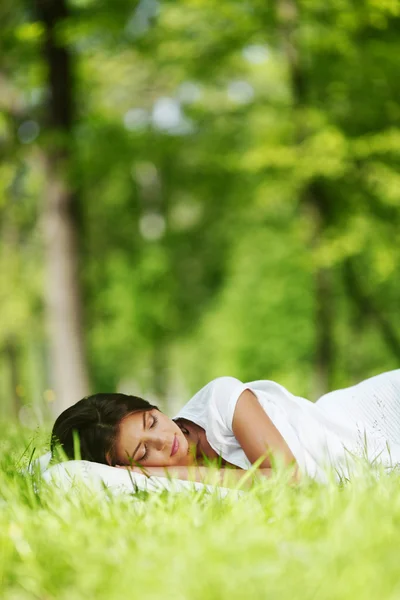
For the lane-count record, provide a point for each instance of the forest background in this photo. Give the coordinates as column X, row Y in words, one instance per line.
column 192, row 189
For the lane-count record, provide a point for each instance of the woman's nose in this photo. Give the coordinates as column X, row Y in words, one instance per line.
column 160, row 442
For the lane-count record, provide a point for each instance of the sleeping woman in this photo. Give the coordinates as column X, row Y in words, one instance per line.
column 234, row 425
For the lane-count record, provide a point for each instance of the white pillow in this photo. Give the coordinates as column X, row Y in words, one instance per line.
column 64, row 475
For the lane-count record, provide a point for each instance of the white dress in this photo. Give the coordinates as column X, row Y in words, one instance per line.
column 360, row 421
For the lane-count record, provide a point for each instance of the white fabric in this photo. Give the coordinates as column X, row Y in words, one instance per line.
column 39, row 465
column 119, row 481
column 360, row 421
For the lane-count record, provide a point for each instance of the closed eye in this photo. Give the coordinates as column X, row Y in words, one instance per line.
column 153, row 424
column 145, row 455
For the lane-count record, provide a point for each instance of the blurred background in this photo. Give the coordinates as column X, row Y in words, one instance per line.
column 190, row 189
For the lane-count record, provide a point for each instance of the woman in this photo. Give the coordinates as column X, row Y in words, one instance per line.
column 237, row 425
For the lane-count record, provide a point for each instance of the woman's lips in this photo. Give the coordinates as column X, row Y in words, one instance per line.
column 175, row 446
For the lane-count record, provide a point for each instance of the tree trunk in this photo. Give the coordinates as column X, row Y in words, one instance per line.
column 11, row 352
column 369, row 308
column 315, row 201
column 63, row 293
column 324, row 347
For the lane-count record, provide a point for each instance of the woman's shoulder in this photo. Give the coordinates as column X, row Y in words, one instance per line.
column 219, row 390
column 210, row 398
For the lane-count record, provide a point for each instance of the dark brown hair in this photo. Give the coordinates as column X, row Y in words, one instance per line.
column 95, row 420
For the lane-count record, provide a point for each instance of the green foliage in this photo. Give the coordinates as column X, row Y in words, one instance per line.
column 196, row 149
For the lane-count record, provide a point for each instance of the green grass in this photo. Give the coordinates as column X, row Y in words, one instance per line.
column 275, row 542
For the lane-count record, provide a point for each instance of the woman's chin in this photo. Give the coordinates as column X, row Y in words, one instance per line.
column 187, row 460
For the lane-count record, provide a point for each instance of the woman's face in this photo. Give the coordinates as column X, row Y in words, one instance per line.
column 151, row 439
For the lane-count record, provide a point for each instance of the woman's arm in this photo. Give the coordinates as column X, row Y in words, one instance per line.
column 208, row 475
column 257, row 435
